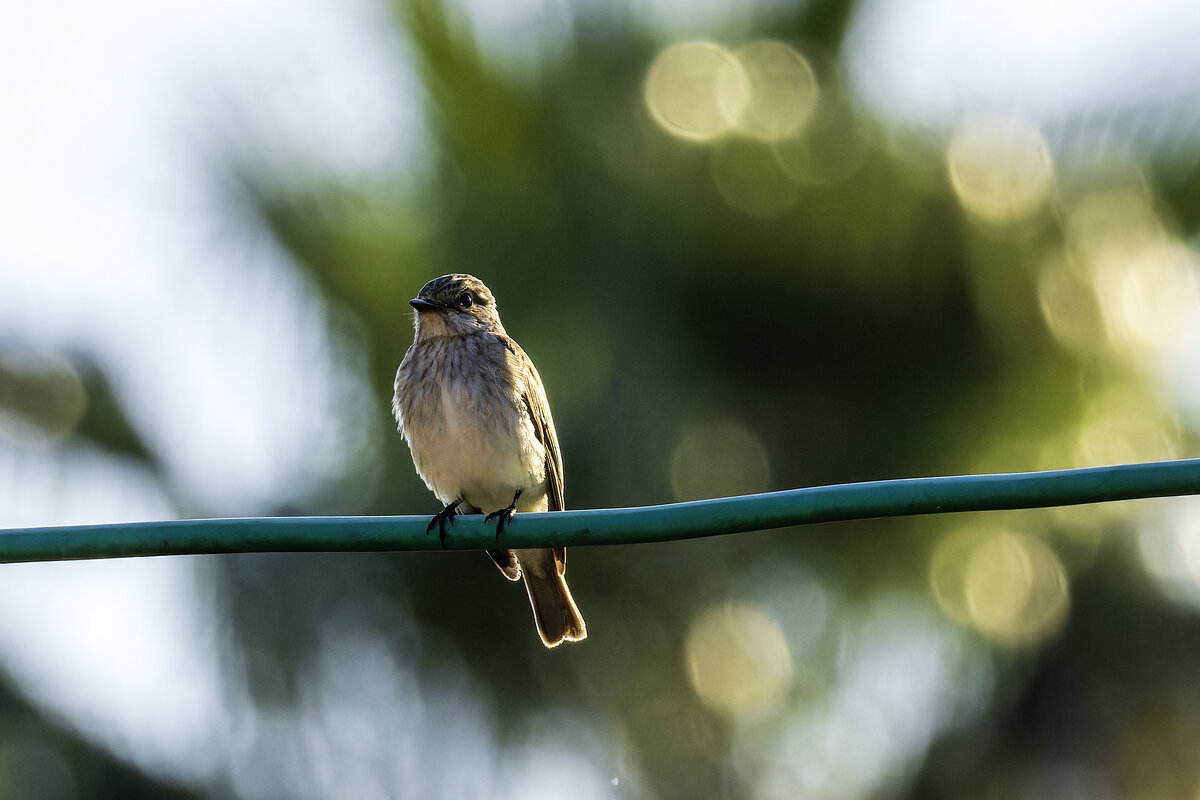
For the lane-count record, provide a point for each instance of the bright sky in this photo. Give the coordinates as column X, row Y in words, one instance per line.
column 115, row 241
column 1128, row 64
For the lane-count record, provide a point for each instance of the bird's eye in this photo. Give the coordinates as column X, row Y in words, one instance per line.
column 465, row 300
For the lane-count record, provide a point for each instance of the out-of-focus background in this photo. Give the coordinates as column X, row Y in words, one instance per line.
column 751, row 245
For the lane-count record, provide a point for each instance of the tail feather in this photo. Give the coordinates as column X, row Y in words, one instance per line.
column 554, row 610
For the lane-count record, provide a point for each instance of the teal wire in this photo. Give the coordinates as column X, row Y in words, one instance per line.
column 609, row 526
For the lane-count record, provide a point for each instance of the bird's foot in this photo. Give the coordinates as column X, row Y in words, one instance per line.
column 504, row 515
column 441, row 518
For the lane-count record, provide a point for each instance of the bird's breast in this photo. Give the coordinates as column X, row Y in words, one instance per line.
column 470, row 437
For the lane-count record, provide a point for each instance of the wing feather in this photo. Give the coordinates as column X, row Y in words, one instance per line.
column 538, row 409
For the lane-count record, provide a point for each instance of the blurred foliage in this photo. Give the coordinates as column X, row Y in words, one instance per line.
column 41, row 759
column 863, row 327
column 54, row 399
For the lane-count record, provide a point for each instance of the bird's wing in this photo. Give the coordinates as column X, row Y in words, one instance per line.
column 538, row 409
column 543, row 427
column 506, row 560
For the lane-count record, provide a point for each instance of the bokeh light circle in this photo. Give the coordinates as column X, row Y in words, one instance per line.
column 719, row 459
column 783, row 90
column 696, row 90
column 738, row 660
column 1007, row 585
column 1000, row 168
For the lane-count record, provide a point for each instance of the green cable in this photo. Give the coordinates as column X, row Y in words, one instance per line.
column 612, row 525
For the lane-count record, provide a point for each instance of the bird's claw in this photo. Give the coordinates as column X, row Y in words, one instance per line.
column 504, row 515
column 440, row 519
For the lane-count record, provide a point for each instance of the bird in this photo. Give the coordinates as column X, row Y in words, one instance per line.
column 471, row 406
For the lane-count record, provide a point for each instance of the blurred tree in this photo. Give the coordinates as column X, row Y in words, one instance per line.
column 43, row 760
column 863, row 328
column 707, row 322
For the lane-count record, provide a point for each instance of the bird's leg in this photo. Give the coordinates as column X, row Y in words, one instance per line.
column 441, row 518
column 504, row 515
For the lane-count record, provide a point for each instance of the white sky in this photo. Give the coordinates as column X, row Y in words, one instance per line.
column 924, row 63
column 114, row 240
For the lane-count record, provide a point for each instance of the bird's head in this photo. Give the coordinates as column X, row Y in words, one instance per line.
column 455, row 305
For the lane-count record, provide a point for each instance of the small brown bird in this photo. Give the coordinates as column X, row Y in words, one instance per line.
column 472, row 408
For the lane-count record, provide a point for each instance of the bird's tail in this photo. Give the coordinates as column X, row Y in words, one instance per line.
column 554, row 610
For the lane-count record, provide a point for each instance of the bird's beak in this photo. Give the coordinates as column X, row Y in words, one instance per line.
column 421, row 304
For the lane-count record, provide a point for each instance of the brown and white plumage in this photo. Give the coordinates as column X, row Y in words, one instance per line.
column 471, row 406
